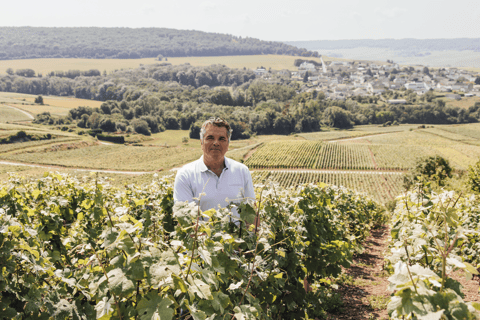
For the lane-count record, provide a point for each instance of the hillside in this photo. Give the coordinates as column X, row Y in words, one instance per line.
column 128, row 43
column 438, row 53
column 459, row 44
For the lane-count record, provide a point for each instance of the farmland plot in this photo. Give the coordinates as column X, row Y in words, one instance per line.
column 382, row 187
column 112, row 157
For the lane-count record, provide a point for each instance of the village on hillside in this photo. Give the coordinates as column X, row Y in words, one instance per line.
column 340, row 80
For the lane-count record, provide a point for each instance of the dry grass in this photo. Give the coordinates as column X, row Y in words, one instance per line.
column 44, row 66
column 55, row 105
column 110, row 157
column 11, row 115
column 464, row 103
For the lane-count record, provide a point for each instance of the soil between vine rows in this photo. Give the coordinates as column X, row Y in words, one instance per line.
column 371, row 281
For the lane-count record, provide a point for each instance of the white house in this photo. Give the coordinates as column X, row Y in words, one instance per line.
column 417, row 86
column 307, row 66
column 260, row 72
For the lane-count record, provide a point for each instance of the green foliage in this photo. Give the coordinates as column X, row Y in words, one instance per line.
column 39, row 100
column 132, row 43
column 85, row 250
column 115, row 139
column 474, row 177
column 22, row 136
column 429, row 169
column 433, row 234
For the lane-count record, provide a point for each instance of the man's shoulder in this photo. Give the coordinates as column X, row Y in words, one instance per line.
column 189, row 167
column 235, row 165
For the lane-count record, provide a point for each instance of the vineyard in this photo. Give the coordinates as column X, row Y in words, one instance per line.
column 86, row 250
column 338, row 156
column 433, row 235
column 381, row 187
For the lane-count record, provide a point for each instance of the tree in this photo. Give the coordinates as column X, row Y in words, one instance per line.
column 10, row 71
column 107, row 125
column 477, row 80
column 141, row 126
column 337, row 117
column 305, row 77
column 195, row 130
column 39, row 100
column 435, row 169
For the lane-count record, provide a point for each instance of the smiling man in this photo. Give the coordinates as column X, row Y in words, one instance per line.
column 215, row 176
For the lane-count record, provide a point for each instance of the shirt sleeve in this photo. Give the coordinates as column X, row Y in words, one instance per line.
column 182, row 189
column 249, row 190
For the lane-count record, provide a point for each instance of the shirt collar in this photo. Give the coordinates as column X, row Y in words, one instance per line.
column 204, row 168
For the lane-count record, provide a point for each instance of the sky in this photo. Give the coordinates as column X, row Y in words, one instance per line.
column 273, row 20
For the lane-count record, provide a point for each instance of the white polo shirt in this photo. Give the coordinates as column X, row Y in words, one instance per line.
column 234, row 184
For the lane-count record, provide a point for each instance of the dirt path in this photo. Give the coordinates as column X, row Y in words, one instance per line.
column 364, row 285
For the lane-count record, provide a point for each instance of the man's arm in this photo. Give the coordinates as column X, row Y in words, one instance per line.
column 250, row 194
column 182, row 190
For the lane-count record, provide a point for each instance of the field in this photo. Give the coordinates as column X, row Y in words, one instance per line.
column 55, row 105
column 11, row 115
column 369, row 159
column 381, row 187
column 464, row 103
column 44, row 66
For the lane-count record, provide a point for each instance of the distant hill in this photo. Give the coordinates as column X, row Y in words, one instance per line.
column 124, row 43
column 459, row 44
column 461, row 52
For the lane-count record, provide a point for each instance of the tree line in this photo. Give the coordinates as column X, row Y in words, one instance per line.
column 128, row 43
column 153, row 98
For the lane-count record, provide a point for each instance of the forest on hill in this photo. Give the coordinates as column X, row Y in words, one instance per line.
column 129, row 43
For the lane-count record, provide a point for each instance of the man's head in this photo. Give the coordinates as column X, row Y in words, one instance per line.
column 217, row 122
column 215, row 137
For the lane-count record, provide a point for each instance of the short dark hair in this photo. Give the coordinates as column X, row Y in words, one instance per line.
column 218, row 122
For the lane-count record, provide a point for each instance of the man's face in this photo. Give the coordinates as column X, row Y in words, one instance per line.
column 215, row 143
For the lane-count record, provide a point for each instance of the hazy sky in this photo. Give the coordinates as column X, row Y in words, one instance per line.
column 278, row 20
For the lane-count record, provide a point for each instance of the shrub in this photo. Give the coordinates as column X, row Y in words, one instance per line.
column 114, row 139
column 39, row 100
column 474, row 177
column 430, row 169
column 141, row 126
column 121, row 126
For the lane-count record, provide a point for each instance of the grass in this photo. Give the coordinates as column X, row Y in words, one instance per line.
column 112, row 157
column 55, row 105
column 44, row 66
column 463, row 103
column 4, row 148
column 378, row 302
column 163, row 151
column 11, row 115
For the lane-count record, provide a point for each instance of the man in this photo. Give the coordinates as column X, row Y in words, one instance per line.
column 219, row 179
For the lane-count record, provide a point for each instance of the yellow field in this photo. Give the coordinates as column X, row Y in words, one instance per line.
column 55, row 105
column 464, row 103
column 11, row 115
column 44, row 66
column 470, row 69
